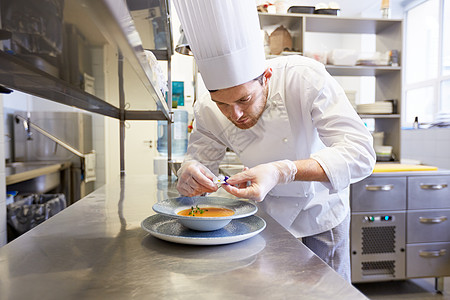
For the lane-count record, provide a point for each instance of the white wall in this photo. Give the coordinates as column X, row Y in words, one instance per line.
column 429, row 146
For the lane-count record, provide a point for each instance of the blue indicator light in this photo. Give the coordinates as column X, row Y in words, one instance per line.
column 386, row 218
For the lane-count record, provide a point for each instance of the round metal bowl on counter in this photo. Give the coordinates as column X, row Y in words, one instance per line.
column 173, row 206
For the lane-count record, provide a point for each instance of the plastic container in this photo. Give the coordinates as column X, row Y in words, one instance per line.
column 301, row 9
column 384, row 153
column 327, row 11
column 342, row 57
column 281, row 6
column 28, row 211
column 378, row 138
column 179, row 134
column 351, row 96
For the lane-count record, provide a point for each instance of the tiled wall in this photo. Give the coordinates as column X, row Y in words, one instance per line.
column 2, row 181
column 430, row 146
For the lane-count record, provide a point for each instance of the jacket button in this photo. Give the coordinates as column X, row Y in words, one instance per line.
column 285, row 140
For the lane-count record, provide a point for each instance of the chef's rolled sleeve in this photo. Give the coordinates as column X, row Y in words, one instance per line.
column 349, row 155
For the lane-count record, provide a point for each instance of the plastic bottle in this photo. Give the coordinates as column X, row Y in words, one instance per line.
column 179, row 134
column 385, row 10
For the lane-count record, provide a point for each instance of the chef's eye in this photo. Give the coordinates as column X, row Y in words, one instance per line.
column 245, row 100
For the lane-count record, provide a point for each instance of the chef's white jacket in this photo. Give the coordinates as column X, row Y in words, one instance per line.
column 307, row 115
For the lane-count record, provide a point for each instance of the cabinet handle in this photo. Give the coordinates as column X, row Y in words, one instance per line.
column 432, row 220
column 386, row 187
column 435, row 253
column 433, row 186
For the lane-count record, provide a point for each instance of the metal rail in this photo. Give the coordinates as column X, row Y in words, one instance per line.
column 29, row 124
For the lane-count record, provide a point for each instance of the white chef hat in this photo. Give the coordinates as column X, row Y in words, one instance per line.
column 225, row 38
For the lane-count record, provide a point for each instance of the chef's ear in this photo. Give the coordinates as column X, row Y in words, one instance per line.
column 267, row 74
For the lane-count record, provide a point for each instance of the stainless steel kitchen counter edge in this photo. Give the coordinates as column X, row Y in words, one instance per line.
column 96, row 249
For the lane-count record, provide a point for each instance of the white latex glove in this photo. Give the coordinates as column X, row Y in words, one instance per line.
column 195, row 179
column 262, row 179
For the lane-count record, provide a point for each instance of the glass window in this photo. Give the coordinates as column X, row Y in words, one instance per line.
column 420, row 103
column 446, row 41
column 445, row 96
column 422, row 42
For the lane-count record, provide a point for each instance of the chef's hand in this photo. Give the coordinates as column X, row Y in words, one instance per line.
column 195, row 179
column 262, row 179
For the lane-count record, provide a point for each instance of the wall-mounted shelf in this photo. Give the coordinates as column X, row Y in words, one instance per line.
column 379, row 116
column 388, row 36
column 98, row 22
column 114, row 20
column 360, row 70
column 91, row 41
column 327, row 23
column 22, row 76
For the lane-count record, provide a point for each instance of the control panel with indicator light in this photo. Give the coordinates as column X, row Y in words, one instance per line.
column 379, row 218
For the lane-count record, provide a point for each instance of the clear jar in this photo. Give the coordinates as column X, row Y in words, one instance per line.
column 179, row 134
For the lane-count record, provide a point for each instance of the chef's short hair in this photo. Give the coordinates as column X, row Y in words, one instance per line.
column 260, row 79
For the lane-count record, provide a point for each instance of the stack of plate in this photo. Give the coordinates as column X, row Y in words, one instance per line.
column 443, row 117
column 378, row 107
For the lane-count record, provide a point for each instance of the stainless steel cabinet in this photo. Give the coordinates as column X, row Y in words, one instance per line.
column 432, row 225
column 428, row 192
column 427, row 260
column 378, row 245
column 378, row 194
column 405, row 218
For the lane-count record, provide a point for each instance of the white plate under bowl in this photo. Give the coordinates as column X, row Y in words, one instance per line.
column 170, row 207
column 169, row 229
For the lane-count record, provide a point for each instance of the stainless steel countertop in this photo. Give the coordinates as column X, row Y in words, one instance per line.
column 96, row 249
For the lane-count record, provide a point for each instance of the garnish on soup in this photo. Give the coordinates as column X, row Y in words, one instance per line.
column 206, row 212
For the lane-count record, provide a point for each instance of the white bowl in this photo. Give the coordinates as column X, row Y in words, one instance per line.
column 170, row 207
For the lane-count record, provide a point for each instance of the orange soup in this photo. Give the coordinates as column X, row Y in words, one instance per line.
column 206, row 212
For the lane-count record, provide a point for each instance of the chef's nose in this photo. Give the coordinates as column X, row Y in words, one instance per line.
column 236, row 112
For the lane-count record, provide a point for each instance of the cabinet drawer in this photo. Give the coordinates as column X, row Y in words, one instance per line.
column 383, row 193
column 428, row 260
column 428, row 192
column 425, row 226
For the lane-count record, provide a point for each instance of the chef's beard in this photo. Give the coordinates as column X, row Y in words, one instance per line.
column 254, row 116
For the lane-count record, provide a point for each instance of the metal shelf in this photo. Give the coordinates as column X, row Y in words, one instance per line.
column 379, row 116
column 19, row 75
column 115, row 22
column 100, row 22
column 332, row 24
column 360, row 70
column 327, row 23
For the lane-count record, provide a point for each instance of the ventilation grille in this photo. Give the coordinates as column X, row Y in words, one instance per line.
column 378, row 268
column 378, row 240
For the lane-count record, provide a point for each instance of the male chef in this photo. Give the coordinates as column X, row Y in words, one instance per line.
column 288, row 121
